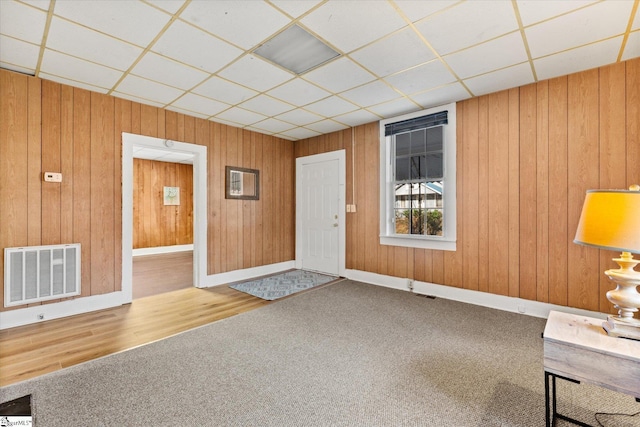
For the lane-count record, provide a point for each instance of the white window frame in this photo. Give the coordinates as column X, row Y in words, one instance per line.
column 388, row 236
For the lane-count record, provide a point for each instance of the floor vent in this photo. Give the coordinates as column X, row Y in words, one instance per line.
column 41, row 273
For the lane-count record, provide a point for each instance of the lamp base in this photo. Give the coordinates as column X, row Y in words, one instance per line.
column 624, row 328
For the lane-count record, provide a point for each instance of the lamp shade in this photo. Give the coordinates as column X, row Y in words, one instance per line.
column 610, row 219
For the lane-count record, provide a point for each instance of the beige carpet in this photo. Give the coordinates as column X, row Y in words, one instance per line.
column 347, row 354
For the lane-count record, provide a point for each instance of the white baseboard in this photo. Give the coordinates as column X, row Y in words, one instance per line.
column 161, row 250
column 28, row 315
column 485, row 299
column 247, row 273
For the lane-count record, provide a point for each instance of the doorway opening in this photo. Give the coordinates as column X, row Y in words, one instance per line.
column 137, row 146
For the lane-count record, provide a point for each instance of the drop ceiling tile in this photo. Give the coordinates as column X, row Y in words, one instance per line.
column 299, row 117
column 254, row 73
column 244, row 23
column 442, row 95
column 299, row 133
column 135, row 22
column 71, row 68
column 468, row 23
column 334, row 21
column 137, row 99
column 299, row 92
column 185, row 43
column 265, row 103
column 395, row 108
column 418, row 79
column 200, row 104
column 163, row 70
column 580, row 59
column 340, row 75
column 170, row 6
column 326, row 126
column 20, row 54
column 356, row 118
column 73, row 39
column 40, row 4
column 518, row 75
column 632, row 48
column 295, row 8
column 636, row 22
column 242, row 116
column 225, row 91
column 273, row 125
column 498, row 53
column 371, row 94
column 593, row 23
column 416, row 10
column 531, row 12
column 146, row 89
column 22, row 22
column 188, row 112
column 333, row 106
column 399, row 51
column 72, row 83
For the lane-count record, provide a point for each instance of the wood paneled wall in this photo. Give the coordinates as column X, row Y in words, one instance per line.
column 49, row 127
column 154, row 223
column 525, row 158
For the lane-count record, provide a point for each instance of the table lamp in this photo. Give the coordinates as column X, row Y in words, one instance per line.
column 610, row 220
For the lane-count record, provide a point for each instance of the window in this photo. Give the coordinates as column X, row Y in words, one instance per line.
column 418, row 179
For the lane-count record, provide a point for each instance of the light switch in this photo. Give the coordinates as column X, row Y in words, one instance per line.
column 52, row 177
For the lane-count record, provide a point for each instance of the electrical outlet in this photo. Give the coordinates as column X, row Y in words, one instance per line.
column 410, row 285
column 522, row 309
column 41, row 316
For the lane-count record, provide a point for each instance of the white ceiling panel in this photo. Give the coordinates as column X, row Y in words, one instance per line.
column 240, row 115
column 416, row 10
column 579, row 59
column 333, row 21
column 18, row 55
column 79, row 41
column 162, row 156
column 146, row 89
column 587, row 25
column 295, row 8
column 194, row 47
column 357, row 118
column 265, row 103
column 401, row 50
column 133, row 21
column 531, row 12
column 298, row 92
column 395, row 55
column 243, row 23
column 339, row 75
column 498, row 53
column 333, row 106
column 22, row 22
column 632, row 48
column 200, row 104
column 468, row 23
column 413, row 80
column 299, row 117
column 506, row 78
column 326, row 126
column 167, row 71
column 371, row 94
column 254, row 73
column 225, row 91
column 71, row 68
column 441, row 95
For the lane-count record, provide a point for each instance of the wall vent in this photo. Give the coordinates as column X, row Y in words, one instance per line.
column 41, row 273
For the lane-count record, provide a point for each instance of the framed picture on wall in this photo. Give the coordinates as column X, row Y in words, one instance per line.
column 171, row 196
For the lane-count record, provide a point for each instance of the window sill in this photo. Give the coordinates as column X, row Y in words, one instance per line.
column 419, row 242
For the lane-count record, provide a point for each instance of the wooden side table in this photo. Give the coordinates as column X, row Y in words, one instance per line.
column 577, row 349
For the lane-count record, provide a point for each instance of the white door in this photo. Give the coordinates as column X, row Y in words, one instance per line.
column 320, row 214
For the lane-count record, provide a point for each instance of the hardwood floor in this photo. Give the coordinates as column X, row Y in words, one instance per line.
column 160, row 273
column 32, row 350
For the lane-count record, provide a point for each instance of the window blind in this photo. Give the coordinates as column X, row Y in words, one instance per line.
column 430, row 120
